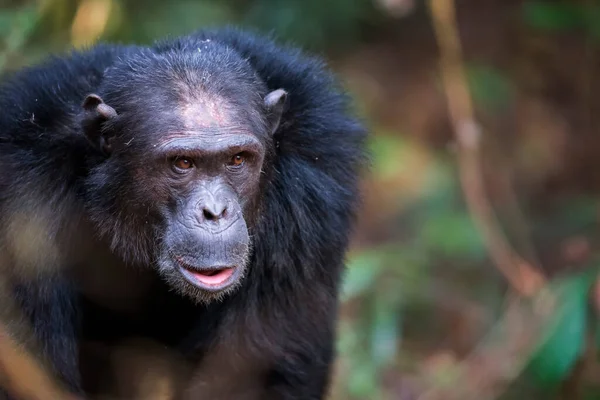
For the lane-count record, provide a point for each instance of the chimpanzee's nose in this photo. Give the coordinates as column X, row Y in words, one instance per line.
column 214, row 209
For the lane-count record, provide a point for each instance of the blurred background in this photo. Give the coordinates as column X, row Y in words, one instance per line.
column 473, row 269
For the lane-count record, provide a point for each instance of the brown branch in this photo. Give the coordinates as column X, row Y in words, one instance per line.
column 501, row 356
column 522, row 275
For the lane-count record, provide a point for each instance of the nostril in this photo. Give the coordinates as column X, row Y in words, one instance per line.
column 209, row 216
column 214, row 214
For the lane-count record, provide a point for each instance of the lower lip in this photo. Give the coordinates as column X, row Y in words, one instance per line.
column 220, row 280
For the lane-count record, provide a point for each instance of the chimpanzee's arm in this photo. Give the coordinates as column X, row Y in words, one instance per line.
column 303, row 375
column 304, row 352
column 49, row 305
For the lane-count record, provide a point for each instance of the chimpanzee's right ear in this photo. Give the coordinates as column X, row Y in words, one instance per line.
column 275, row 103
column 96, row 113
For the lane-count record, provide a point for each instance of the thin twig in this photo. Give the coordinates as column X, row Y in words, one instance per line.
column 502, row 355
column 522, row 275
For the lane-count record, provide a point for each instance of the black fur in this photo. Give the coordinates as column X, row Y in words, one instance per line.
column 273, row 338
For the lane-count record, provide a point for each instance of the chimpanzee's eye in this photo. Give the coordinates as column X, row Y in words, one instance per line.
column 183, row 163
column 237, row 160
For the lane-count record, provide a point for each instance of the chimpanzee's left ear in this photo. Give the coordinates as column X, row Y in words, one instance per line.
column 275, row 102
column 96, row 113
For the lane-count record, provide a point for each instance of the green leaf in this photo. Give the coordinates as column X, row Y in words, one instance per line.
column 489, row 87
column 22, row 19
column 442, row 191
column 389, row 155
column 385, row 328
column 348, row 338
column 361, row 373
column 163, row 19
column 452, row 234
column 565, row 337
column 308, row 23
column 361, row 273
column 554, row 16
column 362, row 381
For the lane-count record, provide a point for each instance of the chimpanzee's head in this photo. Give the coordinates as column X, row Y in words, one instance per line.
column 186, row 138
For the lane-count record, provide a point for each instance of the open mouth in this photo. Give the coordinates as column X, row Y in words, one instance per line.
column 213, row 278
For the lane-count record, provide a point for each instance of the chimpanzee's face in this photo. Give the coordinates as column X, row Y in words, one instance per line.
column 194, row 176
column 211, row 170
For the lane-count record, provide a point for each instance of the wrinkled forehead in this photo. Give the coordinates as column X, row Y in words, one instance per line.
column 217, row 114
column 208, row 113
column 201, row 123
column 209, row 124
column 178, row 109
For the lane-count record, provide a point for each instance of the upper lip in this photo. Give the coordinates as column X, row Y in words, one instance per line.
column 207, row 227
column 181, row 261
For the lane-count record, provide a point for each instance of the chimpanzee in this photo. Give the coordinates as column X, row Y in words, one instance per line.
column 199, row 192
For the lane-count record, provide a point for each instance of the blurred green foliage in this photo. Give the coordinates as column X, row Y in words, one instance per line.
column 489, row 87
column 559, row 16
column 564, row 340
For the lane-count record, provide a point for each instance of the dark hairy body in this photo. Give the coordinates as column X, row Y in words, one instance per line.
column 198, row 193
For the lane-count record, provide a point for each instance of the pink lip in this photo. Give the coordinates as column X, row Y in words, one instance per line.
column 207, row 278
column 212, row 278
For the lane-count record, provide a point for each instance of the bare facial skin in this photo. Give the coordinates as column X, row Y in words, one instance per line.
column 204, row 178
